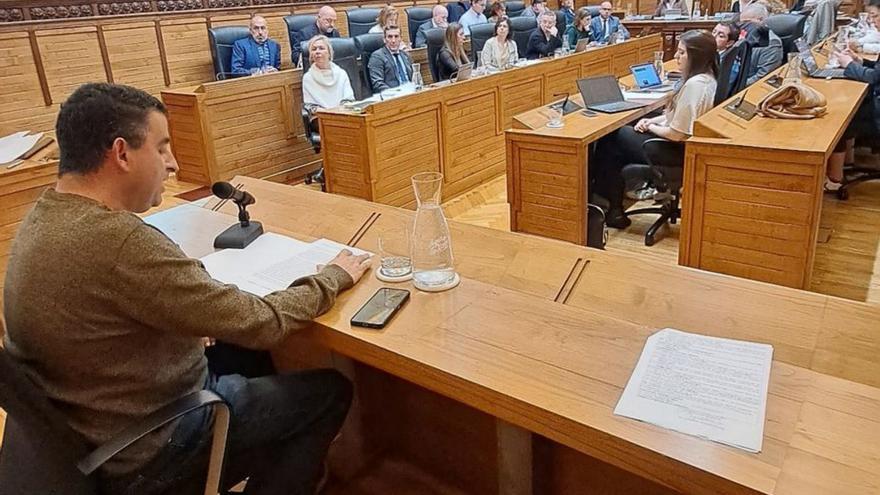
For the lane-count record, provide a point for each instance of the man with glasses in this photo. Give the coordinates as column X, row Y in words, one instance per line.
column 325, row 24
column 256, row 52
column 605, row 25
column 389, row 66
column 544, row 40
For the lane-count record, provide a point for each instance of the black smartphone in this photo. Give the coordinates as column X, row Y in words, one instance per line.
column 379, row 310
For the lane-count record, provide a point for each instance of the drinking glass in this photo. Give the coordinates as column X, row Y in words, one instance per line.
column 394, row 252
column 554, row 120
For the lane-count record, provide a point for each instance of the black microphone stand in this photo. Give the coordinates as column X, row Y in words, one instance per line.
column 241, row 234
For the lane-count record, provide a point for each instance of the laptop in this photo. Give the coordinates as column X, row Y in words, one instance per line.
column 582, row 45
column 647, row 79
column 810, row 63
column 464, row 72
column 602, row 94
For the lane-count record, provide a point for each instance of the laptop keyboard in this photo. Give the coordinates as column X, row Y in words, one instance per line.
column 615, row 106
column 828, row 73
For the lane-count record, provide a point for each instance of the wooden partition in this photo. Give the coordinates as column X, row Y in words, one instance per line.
column 456, row 129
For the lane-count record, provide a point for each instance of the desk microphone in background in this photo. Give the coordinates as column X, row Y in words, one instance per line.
column 244, row 232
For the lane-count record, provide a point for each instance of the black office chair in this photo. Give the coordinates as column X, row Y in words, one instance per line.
column 788, row 27
column 367, row 44
column 594, row 10
column 456, row 10
column 560, row 24
column 415, row 17
column 41, row 454
column 522, row 29
column 515, row 8
column 434, row 38
column 664, row 171
column 480, row 34
column 221, row 40
column 857, row 174
column 360, row 20
column 741, row 51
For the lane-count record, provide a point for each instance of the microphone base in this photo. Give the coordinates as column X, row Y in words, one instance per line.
column 238, row 237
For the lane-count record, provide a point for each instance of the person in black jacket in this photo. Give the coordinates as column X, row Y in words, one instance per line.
column 544, row 40
column 325, row 24
column 452, row 55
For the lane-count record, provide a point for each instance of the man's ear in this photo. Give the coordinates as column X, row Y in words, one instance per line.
column 119, row 154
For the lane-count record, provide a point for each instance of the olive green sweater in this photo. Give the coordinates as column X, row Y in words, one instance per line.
column 106, row 314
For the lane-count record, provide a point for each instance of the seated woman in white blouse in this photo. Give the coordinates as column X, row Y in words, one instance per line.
column 499, row 52
column 325, row 85
column 698, row 61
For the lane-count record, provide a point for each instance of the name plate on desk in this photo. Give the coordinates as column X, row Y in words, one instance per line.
column 742, row 109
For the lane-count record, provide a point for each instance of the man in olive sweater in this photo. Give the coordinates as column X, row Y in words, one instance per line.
column 107, row 316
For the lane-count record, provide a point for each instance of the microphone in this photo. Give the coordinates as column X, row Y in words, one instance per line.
column 567, row 106
column 225, row 190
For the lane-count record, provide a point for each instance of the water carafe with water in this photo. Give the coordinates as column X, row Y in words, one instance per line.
column 432, row 261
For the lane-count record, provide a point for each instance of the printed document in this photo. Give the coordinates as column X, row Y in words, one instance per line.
column 15, row 145
column 710, row 387
column 272, row 262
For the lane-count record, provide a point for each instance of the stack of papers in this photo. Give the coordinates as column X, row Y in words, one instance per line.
column 709, row 387
column 15, row 145
column 272, row 262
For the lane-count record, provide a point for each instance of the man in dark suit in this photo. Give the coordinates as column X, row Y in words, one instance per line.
column 605, row 25
column 438, row 20
column 389, row 66
column 325, row 24
column 544, row 40
column 256, row 52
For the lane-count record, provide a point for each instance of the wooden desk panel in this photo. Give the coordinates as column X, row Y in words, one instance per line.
column 455, row 129
column 558, row 371
column 752, row 196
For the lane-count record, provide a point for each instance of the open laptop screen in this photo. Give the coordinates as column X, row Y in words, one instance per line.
column 645, row 75
column 601, row 89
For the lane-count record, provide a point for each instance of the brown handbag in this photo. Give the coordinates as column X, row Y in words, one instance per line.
column 793, row 101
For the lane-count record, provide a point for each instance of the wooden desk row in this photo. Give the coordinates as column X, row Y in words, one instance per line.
column 752, row 196
column 455, row 129
column 546, row 343
column 670, row 30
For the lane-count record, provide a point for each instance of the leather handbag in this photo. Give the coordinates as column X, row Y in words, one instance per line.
column 793, row 101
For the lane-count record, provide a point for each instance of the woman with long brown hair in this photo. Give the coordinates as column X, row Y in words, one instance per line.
column 697, row 59
column 452, row 55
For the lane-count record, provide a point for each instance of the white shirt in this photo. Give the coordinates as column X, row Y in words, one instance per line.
column 326, row 88
column 695, row 98
column 376, row 29
column 470, row 18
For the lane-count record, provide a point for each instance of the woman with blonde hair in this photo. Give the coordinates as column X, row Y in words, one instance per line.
column 452, row 55
column 325, row 85
column 388, row 16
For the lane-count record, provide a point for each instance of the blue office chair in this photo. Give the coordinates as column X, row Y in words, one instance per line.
column 367, row 44
column 221, row 40
column 522, row 29
column 515, row 8
column 41, row 454
column 415, row 17
column 360, row 20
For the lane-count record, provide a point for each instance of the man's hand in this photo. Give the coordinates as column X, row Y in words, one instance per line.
column 270, row 69
column 845, row 58
column 355, row 266
column 553, row 31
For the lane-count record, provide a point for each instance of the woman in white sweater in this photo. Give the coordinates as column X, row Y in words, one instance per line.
column 499, row 52
column 325, row 85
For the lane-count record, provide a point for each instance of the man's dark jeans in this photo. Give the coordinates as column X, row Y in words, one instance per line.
column 281, row 428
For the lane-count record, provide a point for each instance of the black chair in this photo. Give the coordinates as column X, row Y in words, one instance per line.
column 560, row 24
column 360, row 20
column 221, row 40
column 456, row 10
column 367, row 44
column 788, row 27
column 434, row 38
column 664, row 171
column 522, row 29
column 740, row 52
column 480, row 34
column 296, row 23
column 594, row 10
column 415, row 17
column 41, row 454
column 515, row 8
column 857, row 174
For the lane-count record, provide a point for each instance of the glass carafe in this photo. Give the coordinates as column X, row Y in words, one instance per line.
column 432, row 261
column 417, row 80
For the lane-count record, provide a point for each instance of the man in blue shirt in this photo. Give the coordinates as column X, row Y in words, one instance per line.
column 257, row 52
column 567, row 10
column 604, row 25
column 474, row 15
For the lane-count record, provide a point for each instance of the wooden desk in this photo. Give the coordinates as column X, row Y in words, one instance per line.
column 547, row 169
column 670, row 30
column 558, row 369
column 455, row 129
column 249, row 125
column 753, row 190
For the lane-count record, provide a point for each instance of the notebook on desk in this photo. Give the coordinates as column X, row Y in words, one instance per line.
column 602, row 93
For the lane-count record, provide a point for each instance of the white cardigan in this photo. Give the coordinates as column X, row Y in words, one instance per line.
column 326, row 88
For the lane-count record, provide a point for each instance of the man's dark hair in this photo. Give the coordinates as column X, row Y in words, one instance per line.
column 94, row 116
column 733, row 30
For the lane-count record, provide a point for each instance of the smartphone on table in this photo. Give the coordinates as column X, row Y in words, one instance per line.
column 379, row 310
